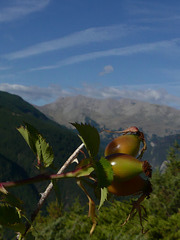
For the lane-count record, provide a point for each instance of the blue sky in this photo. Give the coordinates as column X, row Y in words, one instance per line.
column 97, row 48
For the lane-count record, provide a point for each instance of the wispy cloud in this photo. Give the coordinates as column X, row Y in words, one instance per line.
column 125, row 51
column 20, row 8
column 149, row 8
column 106, row 70
column 86, row 36
column 4, row 68
column 44, row 95
column 152, row 11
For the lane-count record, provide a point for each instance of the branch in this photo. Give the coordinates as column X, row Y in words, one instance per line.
column 46, row 193
column 83, row 171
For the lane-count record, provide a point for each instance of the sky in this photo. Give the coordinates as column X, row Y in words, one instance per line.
column 96, row 48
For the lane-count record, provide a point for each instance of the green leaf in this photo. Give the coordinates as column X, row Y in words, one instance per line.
column 9, row 215
column 104, row 194
column 17, row 227
column 30, row 134
column 45, row 151
column 104, row 172
column 11, row 200
column 90, row 137
column 84, row 171
column 37, row 144
column 81, row 171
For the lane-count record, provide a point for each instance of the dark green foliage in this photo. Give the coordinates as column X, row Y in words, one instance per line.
column 163, row 207
column 8, row 215
column 17, row 161
column 90, row 137
column 103, row 169
column 104, row 196
column 104, row 172
column 1, row 232
column 166, row 185
column 57, row 190
column 12, row 171
column 10, row 199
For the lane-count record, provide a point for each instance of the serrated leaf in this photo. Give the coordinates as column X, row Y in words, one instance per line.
column 9, row 215
column 90, row 137
column 30, row 134
column 11, row 200
column 104, row 194
column 45, row 151
column 37, row 144
column 104, row 172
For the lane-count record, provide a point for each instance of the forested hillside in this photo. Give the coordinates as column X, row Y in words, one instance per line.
column 16, row 159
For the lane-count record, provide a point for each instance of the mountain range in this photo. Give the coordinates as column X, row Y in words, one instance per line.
column 115, row 114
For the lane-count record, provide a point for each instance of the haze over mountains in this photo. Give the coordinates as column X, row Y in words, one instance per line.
column 115, row 114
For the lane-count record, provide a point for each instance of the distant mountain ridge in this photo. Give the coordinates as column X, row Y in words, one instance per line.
column 160, row 124
column 115, row 114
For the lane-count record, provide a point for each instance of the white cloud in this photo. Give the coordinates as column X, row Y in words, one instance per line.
column 125, row 51
column 154, row 96
column 40, row 95
column 34, row 94
column 21, row 8
column 107, row 69
column 86, row 36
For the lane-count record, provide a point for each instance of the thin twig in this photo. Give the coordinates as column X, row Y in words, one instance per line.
column 46, row 193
